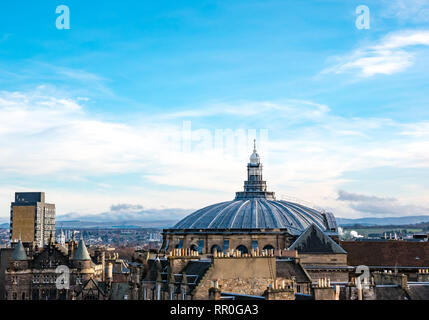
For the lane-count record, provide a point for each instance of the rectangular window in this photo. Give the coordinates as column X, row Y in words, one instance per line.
column 180, row 245
column 36, row 279
column 200, row 246
column 254, row 244
column 225, row 246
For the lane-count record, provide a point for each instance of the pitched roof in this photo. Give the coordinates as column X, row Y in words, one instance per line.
column 81, row 252
column 289, row 268
column 387, row 253
column 197, row 268
column 19, row 252
column 390, row 293
column 419, row 292
column 314, row 240
column 119, row 290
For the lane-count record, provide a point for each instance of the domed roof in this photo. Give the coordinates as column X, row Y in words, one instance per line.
column 254, row 158
column 257, row 213
column 257, row 208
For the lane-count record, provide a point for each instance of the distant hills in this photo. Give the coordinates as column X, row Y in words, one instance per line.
column 81, row 224
column 407, row 220
column 106, row 222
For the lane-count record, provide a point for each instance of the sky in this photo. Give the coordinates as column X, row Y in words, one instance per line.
column 150, row 108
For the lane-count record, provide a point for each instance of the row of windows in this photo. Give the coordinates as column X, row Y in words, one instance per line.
column 46, row 278
column 217, row 248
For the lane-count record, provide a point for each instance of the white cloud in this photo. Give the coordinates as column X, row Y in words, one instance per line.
column 286, row 109
column 46, row 135
column 416, row 11
column 394, row 53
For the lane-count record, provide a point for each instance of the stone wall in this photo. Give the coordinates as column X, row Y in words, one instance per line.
column 237, row 275
column 279, row 294
column 277, row 239
column 339, row 259
column 390, row 278
column 333, row 275
column 324, row 293
column 5, row 256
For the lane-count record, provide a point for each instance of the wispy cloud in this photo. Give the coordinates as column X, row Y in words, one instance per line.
column 394, row 53
column 64, row 142
column 290, row 109
column 407, row 10
column 129, row 212
column 380, row 206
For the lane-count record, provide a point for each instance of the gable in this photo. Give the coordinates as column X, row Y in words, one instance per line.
column 314, row 240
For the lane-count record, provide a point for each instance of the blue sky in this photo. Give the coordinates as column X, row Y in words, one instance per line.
column 95, row 115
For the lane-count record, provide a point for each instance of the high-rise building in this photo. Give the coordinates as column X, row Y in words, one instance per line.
column 31, row 219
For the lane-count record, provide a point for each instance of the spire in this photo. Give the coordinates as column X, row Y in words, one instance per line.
column 81, row 252
column 19, row 252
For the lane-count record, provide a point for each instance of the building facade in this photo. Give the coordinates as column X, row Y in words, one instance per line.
column 38, row 274
column 31, row 219
column 253, row 220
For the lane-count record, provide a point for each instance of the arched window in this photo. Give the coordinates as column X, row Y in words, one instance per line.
column 268, row 247
column 215, row 247
column 243, row 249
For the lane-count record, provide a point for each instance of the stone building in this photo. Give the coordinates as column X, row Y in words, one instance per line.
column 185, row 275
column 321, row 256
column 254, row 246
column 253, row 220
column 36, row 274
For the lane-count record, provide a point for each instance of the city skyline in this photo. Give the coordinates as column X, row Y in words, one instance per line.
column 100, row 116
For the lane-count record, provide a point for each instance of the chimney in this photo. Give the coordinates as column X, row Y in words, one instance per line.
column 109, row 272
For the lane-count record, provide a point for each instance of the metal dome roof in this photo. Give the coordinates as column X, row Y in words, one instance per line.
column 257, row 213
column 257, row 208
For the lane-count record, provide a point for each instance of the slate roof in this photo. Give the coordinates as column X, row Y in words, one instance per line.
column 314, row 240
column 18, row 253
column 257, row 213
column 390, row 293
column 289, row 268
column 81, row 252
column 197, row 268
column 387, row 253
column 119, row 290
column 418, row 292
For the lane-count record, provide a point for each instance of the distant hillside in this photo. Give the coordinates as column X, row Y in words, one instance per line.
column 115, row 224
column 383, row 221
column 91, row 222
